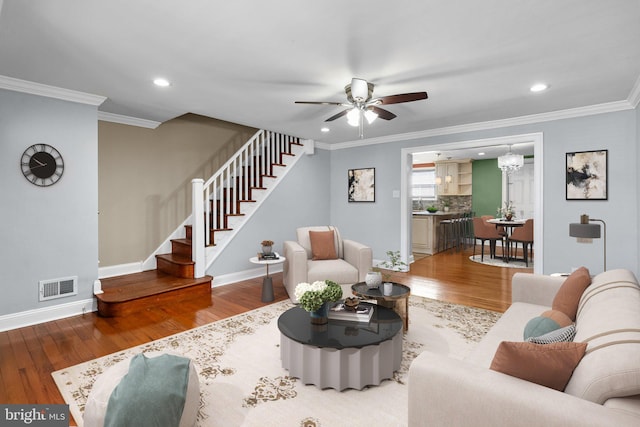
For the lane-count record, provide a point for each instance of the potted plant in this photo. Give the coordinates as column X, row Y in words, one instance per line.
column 267, row 246
column 508, row 212
column 315, row 297
column 394, row 263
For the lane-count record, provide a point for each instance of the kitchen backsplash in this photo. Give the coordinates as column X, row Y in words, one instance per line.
column 456, row 203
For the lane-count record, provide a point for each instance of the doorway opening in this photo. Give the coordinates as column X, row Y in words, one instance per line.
column 536, row 188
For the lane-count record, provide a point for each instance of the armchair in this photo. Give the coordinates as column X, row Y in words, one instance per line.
column 351, row 264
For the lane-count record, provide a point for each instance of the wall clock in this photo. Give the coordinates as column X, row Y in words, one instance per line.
column 42, row 165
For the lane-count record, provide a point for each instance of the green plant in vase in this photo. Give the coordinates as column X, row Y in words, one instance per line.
column 394, row 263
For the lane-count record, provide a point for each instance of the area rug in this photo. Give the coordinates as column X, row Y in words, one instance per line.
column 243, row 384
column 499, row 262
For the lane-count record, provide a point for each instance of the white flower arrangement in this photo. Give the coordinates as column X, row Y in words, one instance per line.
column 312, row 295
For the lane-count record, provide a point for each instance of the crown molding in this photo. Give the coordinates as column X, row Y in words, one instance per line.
column 634, row 95
column 33, row 88
column 127, row 120
column 607, row 107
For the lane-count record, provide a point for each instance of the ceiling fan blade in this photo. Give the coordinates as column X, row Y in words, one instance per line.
column 337, row 116
column 383, row 114
column 319, row 103
column 404, row 97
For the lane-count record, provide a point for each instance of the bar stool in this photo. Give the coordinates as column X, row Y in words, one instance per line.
column 449, row 235
column 445, row 234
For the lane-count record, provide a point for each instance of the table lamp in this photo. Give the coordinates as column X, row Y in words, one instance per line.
column 587, row 231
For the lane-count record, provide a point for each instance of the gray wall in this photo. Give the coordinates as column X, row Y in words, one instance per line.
column 301, row 199
column 379, row 223
column 50, row 232
column 53, row 232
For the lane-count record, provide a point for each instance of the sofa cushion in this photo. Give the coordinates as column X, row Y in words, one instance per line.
column 302, row 235
column 322, row 245
column 508, row 328
column 568, row 296
column 565, row 334
column 547, row 322
column 339, row 270
column 539, row 325
column 549, row 365
column 99, row 398
column 608, row 320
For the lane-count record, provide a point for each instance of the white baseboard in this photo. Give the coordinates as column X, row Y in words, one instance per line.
column 47, row 314
column 119, row 270
column 227, row 279
column 60, row 311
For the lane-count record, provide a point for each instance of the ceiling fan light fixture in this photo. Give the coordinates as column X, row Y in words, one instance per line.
column 359, row 89
column 353, row 117
column 370, row 115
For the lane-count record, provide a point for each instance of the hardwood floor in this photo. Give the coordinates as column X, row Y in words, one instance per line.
column 29, row 355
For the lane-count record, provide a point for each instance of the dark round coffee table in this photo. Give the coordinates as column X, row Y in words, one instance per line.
column 341, row 354
column 398, row 300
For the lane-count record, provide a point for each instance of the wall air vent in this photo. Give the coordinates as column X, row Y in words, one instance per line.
column 58, row 288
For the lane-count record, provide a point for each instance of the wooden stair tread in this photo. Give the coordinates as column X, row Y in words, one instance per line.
column 176, row 259
column 147, row 283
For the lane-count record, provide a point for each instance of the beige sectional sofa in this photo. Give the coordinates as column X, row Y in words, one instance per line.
column 604, row 389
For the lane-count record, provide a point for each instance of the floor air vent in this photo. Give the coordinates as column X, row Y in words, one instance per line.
column 58, row 288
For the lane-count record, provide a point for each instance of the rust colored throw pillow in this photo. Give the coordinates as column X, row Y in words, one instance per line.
column 322, row 245
column 550, row 365
column 568, row 296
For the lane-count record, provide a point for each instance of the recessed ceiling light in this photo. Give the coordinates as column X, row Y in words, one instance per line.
column 324, row 130
column 161, row 82
column 538, row 87
column 481, row 154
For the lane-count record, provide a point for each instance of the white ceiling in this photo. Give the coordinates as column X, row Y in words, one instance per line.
column 248, row 61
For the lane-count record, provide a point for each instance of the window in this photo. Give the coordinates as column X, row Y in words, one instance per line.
column 423, row 184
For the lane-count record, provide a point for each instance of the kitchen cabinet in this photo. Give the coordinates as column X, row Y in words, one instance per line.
column 424, row 231
column 455, row 177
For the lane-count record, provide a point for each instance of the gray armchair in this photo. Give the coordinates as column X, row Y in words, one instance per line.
column 353, row 262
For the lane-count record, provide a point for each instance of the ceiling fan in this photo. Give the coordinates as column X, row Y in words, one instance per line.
column 362, row 106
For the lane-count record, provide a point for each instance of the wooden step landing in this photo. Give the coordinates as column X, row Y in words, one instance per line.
column 130, row 293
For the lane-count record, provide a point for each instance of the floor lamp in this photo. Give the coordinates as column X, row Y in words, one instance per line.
column 586, row 230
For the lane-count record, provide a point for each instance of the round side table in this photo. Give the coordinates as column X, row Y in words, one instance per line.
column 267, row 283
column 398, row 300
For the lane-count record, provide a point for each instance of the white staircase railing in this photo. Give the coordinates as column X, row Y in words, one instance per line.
column 218, row 198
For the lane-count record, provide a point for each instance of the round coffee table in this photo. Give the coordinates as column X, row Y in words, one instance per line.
column 398, row 300
column 341, row 354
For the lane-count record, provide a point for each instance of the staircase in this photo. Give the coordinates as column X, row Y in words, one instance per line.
column 225, row 202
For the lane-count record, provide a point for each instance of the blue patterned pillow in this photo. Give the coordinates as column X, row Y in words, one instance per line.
column 565, row 334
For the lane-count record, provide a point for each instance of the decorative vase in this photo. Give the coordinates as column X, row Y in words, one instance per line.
column 320, row 316
column 267, row 250
column 508, row 217
column 373, row 279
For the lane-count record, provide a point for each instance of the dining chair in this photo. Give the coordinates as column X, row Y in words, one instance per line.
column 484, row 231
column 524, row 235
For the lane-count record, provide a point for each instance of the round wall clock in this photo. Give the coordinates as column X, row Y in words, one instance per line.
column 42, row 165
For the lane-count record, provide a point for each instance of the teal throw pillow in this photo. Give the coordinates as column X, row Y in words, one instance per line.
column 539, row 326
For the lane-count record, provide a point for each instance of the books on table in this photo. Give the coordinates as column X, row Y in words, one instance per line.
column 362, row 313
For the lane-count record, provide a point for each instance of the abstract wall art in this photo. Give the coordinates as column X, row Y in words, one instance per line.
column 362, row 185
column 587, row 175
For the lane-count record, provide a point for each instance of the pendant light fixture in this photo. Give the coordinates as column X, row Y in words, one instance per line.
column 510, row 162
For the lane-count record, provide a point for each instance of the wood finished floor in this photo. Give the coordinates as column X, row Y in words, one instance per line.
column 29, row 355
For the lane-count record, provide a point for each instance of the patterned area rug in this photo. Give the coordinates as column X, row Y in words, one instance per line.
column 498, row 262
column 243, row 384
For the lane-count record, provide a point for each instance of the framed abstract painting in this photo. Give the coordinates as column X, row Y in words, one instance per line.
column 362, row 185
column 587, row 175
